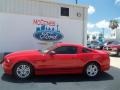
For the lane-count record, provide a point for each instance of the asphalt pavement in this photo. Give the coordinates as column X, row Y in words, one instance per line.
column 109, row 80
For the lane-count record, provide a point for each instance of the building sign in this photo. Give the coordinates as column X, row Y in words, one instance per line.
column 47, row 30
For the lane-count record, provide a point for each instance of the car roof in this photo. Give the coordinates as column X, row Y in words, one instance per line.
column 112, row 41
column 68, row 44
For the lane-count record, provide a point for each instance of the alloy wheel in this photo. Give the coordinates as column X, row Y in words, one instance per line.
column 92, row 70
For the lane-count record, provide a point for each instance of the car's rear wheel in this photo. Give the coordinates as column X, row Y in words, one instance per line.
column 23, row 71
column 92, row 70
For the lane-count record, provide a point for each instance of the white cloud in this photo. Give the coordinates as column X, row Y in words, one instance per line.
column 102, row 24
column 99, row 25
column 118, row 18
column 93, row 33
column 91, row 10
column 117, row 2
column 96, row 28
column 90, row 26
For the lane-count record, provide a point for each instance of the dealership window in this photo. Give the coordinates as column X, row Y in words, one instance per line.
column 64, row 11
column 66, row 50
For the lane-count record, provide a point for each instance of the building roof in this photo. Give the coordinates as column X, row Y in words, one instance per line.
column 55, row 2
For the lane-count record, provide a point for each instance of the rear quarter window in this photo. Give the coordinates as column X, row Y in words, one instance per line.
column 86, row 50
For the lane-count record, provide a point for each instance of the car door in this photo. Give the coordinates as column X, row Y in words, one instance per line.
column 64, row 57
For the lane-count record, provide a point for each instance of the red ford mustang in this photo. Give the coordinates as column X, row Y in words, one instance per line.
column 59, row 59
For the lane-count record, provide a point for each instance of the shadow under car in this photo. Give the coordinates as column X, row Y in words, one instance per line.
column 58, row 78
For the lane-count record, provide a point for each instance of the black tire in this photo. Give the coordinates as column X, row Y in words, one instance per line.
column 23, row 70
column 92, row 70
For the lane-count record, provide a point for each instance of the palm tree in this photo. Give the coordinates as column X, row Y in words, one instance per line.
column 113, row 24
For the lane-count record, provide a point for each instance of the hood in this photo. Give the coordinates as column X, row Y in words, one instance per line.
column 113, row 45
column 24, row 53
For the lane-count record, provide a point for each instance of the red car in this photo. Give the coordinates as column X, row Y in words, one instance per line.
column 59, row 59
column 113, row 48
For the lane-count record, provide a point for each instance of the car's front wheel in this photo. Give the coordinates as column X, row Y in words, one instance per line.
column 22, row 71
column 92, row 70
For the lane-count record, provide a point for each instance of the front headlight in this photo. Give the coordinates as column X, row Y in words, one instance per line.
column 7, row 60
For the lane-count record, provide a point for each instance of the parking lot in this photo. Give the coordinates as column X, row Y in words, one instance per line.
column 109, row 80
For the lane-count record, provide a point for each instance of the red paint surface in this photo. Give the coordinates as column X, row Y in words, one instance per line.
column 45, row 63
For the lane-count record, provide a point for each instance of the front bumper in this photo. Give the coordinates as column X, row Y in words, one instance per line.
column 7, row 68
column 112, row 52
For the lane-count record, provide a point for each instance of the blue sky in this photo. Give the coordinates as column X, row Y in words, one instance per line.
column 100, row 12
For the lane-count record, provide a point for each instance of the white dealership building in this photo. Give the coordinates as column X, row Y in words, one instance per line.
column 37, row 24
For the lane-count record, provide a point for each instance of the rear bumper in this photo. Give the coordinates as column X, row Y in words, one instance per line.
column 105, row 67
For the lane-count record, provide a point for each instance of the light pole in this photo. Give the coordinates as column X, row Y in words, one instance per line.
column 103, row 32
column 76, row 1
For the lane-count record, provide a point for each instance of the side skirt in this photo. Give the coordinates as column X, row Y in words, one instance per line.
column 54, row 71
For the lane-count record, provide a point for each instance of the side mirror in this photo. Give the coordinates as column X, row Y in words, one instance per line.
column 52, row 53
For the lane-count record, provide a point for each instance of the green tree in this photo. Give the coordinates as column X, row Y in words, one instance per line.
column 88, row 36
column 113, row 24
column 93, row 37
column 101, row 37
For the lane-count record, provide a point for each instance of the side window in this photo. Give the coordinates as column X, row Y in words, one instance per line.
column 85, row 50
column 64, row 11
column 66, row 50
